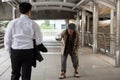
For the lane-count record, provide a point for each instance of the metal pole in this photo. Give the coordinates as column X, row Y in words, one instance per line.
column 66, row 22
column 95, row 27
column 77, row 22
column 13, row 12
column 117, row 60
column 88, row 23
column 112, row 25
column 83, row 26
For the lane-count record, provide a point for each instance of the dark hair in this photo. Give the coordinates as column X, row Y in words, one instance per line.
column 25, row 7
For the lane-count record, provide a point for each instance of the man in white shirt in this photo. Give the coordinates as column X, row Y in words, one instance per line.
column 18, row 41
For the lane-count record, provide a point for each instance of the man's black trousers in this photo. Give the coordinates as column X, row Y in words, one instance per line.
column 21, row 63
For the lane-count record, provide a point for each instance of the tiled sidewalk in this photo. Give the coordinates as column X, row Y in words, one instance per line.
column 92, row 67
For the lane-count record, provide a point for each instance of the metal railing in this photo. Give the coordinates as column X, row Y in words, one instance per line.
column 1, row 40
column 105, row 42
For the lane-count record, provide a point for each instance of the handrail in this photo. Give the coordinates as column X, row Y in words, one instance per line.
column 103, row 41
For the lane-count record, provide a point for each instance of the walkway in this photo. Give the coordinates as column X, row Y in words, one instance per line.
column 92, row 67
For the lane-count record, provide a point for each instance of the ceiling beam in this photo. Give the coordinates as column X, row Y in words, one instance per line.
column 53, row 8
column 5, row 0
column 53, row 3
column 13, row 3
column 107, row 3
column 88, row 8
column 81, row 4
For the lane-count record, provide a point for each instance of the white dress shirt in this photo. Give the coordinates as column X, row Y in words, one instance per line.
column 20, row 33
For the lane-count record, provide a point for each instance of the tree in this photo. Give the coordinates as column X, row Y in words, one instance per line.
column 47, row 22
column 46, row 25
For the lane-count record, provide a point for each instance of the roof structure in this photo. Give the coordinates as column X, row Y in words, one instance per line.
column 56, row 9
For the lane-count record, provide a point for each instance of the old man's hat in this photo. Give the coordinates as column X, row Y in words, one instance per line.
column 71, row 26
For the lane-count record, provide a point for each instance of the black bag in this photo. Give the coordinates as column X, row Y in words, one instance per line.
column 42, row 48
column 37, row 54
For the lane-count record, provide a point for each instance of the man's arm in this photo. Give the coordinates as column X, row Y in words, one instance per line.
column 8, row 37
column 37, row 34
column 59, row 37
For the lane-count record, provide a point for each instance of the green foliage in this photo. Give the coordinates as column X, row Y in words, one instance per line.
column 47, row 22
column 4, row 23
column 46, row 25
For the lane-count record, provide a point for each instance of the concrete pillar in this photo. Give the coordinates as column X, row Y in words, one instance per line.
column 95, row 27
column 88, row 23
column 83, row 26
column 117, row 60
column 112, row 25
column 66, row 23
column 78, row 22
column 13, row 12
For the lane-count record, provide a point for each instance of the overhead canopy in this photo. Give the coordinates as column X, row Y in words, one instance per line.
column 56, row 9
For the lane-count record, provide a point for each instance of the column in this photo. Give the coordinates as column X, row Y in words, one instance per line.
column 78, row 22
column 112, row 25
column 66, row 23
column 83, row 26
column 13, row 12
column 117, row 51
column 95, row 27
column 88, row 23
